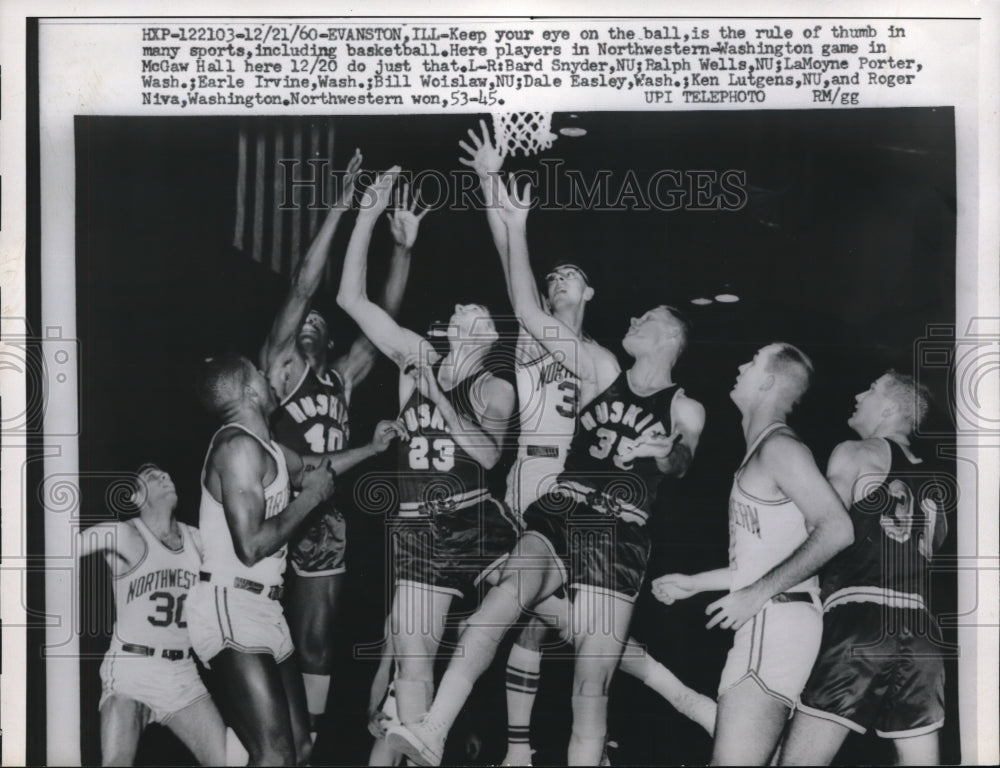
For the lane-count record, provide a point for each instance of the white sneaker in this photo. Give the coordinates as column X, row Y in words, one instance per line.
column 423, row 745
column 518, row 756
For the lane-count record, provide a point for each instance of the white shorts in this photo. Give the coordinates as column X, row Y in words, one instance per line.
column 530, row 478
column 165, row 687
column 776, row 649
column 226, row 617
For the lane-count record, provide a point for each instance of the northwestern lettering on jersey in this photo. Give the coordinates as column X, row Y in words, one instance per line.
column 552, row 372
column 634, row 416
column 317, row 405
column 745, row 516
column 180, row 578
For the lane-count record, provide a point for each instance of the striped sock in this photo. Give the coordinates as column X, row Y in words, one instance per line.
column 523, row 668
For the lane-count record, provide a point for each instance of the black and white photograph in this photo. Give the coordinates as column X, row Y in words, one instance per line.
column 559, row 435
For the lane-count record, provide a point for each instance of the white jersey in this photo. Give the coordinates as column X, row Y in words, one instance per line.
column 763, row 532
column 548, row 401
column 220, row 556
column 149, row 597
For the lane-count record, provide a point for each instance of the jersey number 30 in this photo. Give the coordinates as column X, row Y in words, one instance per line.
column 169, row 610
column 442, row 453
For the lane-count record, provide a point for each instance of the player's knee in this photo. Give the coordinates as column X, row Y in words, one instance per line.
column 592, row 677
column 415, row 669
column 116, row 757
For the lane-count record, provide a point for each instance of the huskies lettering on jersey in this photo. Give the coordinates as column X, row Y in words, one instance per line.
column 180, row 578
column 634, row 417
column 423, row 416
column 318, row 405
column 745, row 516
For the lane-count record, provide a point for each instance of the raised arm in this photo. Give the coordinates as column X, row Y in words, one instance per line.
column 280, row 341
column 404, row 223
column 381, row 329
column 241, row 465
column 828, row 525
column 524, row 294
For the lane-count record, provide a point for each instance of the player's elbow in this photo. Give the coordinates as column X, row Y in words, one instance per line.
column 346, row 300
column 247, row 553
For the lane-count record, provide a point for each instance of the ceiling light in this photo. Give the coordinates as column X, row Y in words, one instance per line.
column 727, row 298
column 701, row 301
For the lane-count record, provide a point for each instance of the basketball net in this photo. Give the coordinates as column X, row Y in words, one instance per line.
column 527, row 132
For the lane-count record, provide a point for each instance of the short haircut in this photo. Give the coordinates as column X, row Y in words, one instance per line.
column 792, row 365
column 912, row 397
column 221, row 380
column 137, row 482
column 683, row 324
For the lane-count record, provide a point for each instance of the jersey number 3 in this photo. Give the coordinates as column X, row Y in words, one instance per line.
column 442, row 453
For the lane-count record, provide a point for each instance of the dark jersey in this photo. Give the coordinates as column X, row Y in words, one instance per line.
column 898, row 525
column 313, row 418
column 432, row 466
column 611, row 421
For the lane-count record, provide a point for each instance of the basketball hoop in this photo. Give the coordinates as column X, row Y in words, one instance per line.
column 527, row 132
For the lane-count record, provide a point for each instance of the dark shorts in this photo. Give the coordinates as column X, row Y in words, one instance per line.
column 597, row 550
column 320, row 549
column 452, row 551
column 878, row 667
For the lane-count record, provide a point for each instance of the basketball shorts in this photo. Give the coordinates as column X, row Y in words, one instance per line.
column 453, row 550
column 321, row 548
column 878, row 667
column 226, row 617
column 596, row 549
column 776, row 649
column 530, row 478
column 163, row 686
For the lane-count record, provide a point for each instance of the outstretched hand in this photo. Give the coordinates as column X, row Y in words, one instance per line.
column 377, row 197
column 652, row 446
column 350, row 178
column 484, row 158
column 673, row 587
column 404, row 222
column 514, row 205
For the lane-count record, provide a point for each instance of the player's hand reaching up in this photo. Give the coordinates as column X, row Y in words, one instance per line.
column 514, row 205
column 385, row 432
column 422, row 372
column 405, row 221
column 673, row 587
column 319, row 481
column 653, row 447
column 378, row 196
column 346, row 197
column 484, row 158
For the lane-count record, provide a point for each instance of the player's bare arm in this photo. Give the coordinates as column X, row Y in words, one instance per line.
column 382, row 330
column 592, row 364
column 851, row 461
column 672, row 587
column 675, row 452
column 341, row 461
column 239, row 466
column 494, row 406
column 279, row 351
column 791, row 465
column 404, row 223
column 121, row 544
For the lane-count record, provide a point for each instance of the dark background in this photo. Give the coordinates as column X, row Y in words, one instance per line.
column 845, row 247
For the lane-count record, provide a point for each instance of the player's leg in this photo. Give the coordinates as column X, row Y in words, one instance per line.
column 529, row 575
column 122, row 722
column 200, row 728
column 523, row 670
column 256, row 704
column 417, row 624
column 383, row 754
column 812, row 740
column 312, row 608
column 918, row 750
column 298, row 711
column 748, row 725
column 697, row 707
column 599, row 623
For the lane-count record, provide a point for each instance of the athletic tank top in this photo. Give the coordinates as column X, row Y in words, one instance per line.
column 313, row 418
column 896, row 533
column 149, row 598
column 433, row 468
column 762, row 532
column 220, row 556
column 613, row 420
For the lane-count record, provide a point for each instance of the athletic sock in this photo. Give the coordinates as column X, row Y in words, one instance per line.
column 479, row 647
column 590, row 725
column 317, row 690
column 413, row 697
column 523, row 666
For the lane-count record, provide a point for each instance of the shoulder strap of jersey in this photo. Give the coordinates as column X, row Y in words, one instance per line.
column 899, row 459
column 765, row 433
column 273, row 452
column 145, row 552
column 291, row 393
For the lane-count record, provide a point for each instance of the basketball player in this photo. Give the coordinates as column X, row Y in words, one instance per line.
column 785, row 522
column 449, row 532
column 880, row 663
column 548, row 401
column 314, row 391
column 382, row 710
column 148, row 673
column 588, row 535
column 247, row 518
